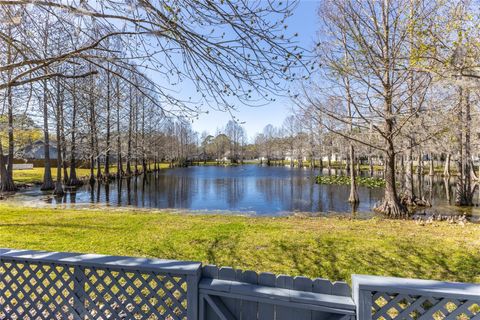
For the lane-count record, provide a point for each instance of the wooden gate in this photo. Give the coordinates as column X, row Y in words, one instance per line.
column 228, row 294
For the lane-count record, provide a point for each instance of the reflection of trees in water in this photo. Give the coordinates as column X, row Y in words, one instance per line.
column 231, row 189
column 129, row 191
column 436, row 189
column 293, row 193
column 271, row 189
column 73, row 197
column 144, row 180
column 119, row 192
column 170, row 191
column 107, row 192
column 92, row 192
column 235, row 191
column 99, row 185
column 206, row 185
column 135, row 191
column 430, row 189
column 419, row 182
column 446, row 186
column 260, row 189
column 60, row 199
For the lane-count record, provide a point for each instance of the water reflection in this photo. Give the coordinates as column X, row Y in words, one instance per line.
column 446, row 185
column 107, row 192
column 250, row 188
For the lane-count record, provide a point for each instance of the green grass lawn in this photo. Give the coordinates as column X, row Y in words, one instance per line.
column 35, row 175
column 317, row 247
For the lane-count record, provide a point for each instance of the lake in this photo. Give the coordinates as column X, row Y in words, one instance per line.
column 250, row 189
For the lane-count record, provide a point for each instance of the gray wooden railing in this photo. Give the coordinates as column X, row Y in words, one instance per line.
column 230, row 294
column 55, row 285
column 399, row 298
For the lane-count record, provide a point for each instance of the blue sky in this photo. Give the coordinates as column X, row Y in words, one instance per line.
column 305, row 22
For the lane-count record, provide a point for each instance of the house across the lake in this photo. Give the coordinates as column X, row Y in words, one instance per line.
column 35, row 151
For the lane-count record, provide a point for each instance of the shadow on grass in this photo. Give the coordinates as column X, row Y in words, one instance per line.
column 223, row 248
column 338, row 260
column 56, row 226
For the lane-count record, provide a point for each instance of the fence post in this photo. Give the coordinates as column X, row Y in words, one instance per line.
column 362, row 299
column 193, row 294
column 364, row 305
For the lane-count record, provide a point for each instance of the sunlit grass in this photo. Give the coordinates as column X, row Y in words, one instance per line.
column 333, row 248
column 35, row 175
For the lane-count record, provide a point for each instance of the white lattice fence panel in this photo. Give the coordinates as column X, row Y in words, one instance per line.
column 36, row 290
column 387, row 306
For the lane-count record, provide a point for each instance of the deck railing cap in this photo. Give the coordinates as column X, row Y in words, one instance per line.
column 98, row 260
column 415, row 287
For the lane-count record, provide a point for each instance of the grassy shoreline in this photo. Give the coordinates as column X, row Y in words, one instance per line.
column 35, row 175
column 333, row 248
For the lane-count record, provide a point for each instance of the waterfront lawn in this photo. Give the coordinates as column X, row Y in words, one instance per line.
column 317, row 247
column 35, row 175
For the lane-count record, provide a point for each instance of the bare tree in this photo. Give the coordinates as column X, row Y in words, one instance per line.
column 363, row 49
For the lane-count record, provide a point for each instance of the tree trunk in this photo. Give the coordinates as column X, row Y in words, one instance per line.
column 464, row 194
column 97, row 154
column 119, row 142
column 63, row 143
column 107, row 137
column 8, row 184
column 7, row 176
column 478, row 175
column 58, row 183
column 129, row 145
column 420, row 179
column 409, row 197
column 92, row 135
column 420, row 163
column 473, row 175
column 73, row 180
column 135, row 148
column 95, row 142
column 432, row 167
column 370, row 164
column 353, row 197
column 144, row 158
column 10, row 141
column 446, row 169
column 4, row 181
column 409, row 189
column 391, row 205
column 47, row 175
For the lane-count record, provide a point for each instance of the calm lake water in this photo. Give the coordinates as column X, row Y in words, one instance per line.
column 247, row 189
